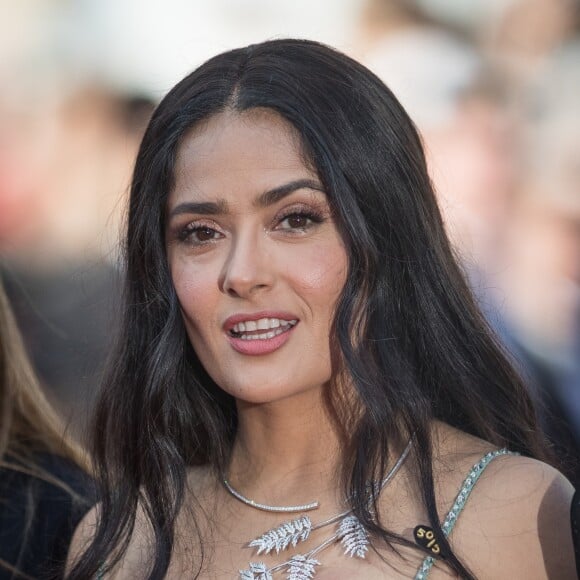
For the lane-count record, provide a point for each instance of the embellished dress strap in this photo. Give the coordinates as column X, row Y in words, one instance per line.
column 460, row 501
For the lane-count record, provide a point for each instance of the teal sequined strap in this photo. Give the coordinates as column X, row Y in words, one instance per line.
column 459, row 504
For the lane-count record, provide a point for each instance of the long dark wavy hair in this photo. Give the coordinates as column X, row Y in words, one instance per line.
column 406, row 330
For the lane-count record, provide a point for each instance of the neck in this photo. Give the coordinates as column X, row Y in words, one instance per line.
column 286, row 452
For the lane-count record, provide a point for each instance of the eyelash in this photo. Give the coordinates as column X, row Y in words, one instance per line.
column 188, row 232
column 314, row 218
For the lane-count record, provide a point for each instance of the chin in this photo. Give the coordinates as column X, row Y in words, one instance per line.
column 259, row 392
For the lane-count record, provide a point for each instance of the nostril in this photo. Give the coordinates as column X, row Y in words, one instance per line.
column 240, row 289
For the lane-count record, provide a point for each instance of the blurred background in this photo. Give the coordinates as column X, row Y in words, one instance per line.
column 493, row 86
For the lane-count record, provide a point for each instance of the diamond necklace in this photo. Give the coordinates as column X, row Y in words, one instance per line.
column 350, row 533
column 270, row 508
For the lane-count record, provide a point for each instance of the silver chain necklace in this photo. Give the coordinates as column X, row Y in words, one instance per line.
column 270, row 508
column 350, row 533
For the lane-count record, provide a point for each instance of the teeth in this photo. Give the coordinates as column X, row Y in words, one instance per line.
column 262, row 324
column 263, row 335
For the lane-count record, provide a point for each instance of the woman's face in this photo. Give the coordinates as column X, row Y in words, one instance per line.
column 255, row 257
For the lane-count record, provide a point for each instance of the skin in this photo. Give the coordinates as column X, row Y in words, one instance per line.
column 259, row 257
column 286, row 449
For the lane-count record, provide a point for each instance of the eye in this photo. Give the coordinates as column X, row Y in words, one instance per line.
column 299, row 221
column 204, row 234
column 198, row 235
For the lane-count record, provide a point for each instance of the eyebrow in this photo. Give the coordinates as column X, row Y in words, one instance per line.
column 265, row 199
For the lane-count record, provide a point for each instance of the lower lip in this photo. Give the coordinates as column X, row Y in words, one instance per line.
column 261, row 345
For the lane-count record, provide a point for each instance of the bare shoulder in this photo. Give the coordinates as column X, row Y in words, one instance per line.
column 82, row 537
column 516, row 523
column 133, row 562
column 136, row 560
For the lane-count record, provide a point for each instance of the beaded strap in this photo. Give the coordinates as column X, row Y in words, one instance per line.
column 459, row 504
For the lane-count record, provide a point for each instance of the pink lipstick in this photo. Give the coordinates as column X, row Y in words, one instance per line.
column 259, row 333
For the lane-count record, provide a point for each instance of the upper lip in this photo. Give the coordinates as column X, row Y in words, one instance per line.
column 242, row 317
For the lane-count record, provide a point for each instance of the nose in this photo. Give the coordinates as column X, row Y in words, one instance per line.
column 248, row 268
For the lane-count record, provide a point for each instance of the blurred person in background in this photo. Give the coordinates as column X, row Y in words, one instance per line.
column 521, row 37
column 380, row 19
column 541, row 280
column 473, row 138
column 62, row 186
column 458, row 106
column 44, row 489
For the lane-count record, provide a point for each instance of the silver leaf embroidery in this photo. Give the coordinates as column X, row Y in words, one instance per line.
column 257, row 571
column 287, row 534
column 354, row 537
column 301, row 568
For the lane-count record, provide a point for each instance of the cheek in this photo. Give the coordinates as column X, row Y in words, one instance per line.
column 319, row 274
column 196, row 291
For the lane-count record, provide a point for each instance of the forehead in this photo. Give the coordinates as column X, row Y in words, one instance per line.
column 232, row 151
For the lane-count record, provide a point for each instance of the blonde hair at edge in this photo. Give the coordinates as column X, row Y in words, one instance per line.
column 28, row 423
